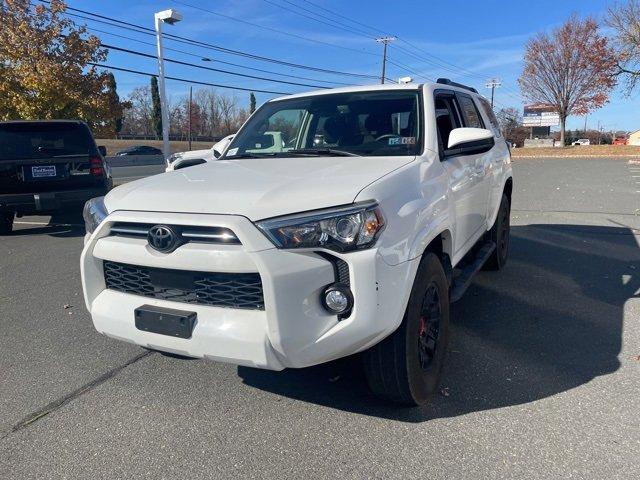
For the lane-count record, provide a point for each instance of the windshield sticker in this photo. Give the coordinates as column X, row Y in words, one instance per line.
column 232, row 152
column 402, row 141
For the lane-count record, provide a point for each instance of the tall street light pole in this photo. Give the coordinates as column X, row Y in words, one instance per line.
column 385, row 41
column 493, row 84
column 171, row 17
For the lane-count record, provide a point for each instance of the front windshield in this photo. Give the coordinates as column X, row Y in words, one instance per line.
column 382, row 123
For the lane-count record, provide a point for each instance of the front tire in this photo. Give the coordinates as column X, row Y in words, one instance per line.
column 6, row 223
column 405, row 367
column 500, row 234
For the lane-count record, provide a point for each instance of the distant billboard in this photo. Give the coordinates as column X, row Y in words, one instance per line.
column 540, row 115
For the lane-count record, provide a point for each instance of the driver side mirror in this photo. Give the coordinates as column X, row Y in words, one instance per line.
column 468, row 141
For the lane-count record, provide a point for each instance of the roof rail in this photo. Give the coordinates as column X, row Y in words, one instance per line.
column 446, row 81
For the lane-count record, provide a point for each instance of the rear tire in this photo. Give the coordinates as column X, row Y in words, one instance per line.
column 405, row 367
column 499, row 234
column 6, row 223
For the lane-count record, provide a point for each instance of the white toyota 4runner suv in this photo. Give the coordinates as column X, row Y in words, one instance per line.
column 352, row 234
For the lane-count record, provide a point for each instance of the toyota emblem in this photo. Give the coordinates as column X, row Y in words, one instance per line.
column 162, row 238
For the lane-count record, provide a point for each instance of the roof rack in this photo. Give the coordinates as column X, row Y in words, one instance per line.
column 446, row 81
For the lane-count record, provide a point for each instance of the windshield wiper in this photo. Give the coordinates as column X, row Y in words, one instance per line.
column 242, row 155
column 324, row 151
column 255, row 155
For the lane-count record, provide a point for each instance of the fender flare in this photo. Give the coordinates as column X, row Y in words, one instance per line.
column 494, row 214
column 439, row 227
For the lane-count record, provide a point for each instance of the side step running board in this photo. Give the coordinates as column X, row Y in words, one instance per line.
column 462, row 281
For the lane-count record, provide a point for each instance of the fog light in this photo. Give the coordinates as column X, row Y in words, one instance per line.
column 337, row 298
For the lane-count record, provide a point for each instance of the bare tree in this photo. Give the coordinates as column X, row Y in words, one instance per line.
column 572, row 69
column 212, row 114
column 624, row 19
column 137, row 118
column 227, row 107
column 205, row 100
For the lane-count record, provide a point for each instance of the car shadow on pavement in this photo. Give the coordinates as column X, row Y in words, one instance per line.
column 65, row 224
column 549, row 322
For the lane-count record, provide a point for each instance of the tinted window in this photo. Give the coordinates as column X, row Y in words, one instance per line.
column 470, row 112
column 446, row 118
column 40, row 140
column 492, row 116
column 364, row 123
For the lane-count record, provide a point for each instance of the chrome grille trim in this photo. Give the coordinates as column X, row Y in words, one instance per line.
column 202, row 234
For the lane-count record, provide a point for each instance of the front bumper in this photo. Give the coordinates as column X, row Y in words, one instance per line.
column 47, row 202
column 293, row 330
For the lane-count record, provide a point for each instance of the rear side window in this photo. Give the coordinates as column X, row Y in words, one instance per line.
column 446, row 118
column 469, row 112
column 44, row 140
column 491, row 116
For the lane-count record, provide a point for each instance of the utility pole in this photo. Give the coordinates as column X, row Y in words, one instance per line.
column 385, row 41
column 599, row 133
column 190, row 100
column 585, row 125
column 493, row 84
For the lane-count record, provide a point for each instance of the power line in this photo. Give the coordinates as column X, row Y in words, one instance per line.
column 195, row 82
column 271, row 29
column 409, row 69
column 441, row 63
column 216, row 60
column 378, row 31
column 202, row 67
column 437, row 61
column 332, row 22
column 176, row 38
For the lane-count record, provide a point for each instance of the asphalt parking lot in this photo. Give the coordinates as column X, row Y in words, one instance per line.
column 542, row 379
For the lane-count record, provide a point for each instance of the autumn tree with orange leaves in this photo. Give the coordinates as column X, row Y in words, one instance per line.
column 46, row 69
column 573, row 69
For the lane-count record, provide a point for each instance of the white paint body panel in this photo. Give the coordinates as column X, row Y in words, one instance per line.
column 422, row 197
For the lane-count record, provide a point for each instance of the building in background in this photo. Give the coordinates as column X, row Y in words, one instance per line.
column 634, row 138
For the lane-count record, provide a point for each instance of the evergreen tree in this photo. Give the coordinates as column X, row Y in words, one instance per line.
column 252, row 102
column 156, row 111
column 116, row 106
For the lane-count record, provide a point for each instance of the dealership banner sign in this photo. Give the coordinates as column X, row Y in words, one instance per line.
column 540, row 115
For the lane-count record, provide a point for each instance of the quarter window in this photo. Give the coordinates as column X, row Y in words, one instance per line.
column 470, row 112
column 492, row 116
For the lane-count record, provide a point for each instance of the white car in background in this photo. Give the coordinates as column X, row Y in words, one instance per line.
column 582, row 141
column 196, row 157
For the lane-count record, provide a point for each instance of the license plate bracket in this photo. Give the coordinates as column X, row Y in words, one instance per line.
column 165, row 321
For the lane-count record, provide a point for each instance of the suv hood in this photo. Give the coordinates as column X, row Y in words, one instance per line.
column 255, row 188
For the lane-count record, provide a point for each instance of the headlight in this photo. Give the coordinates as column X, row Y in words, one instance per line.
column 94, row 213
column 342, row 229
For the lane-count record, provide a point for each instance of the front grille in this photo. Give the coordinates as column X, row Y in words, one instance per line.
column 218, row 235
column 232, row 290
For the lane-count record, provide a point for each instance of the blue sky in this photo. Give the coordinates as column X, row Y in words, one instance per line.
column 463, row 40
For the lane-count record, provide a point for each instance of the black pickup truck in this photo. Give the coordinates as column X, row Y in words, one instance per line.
column 47, row 166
